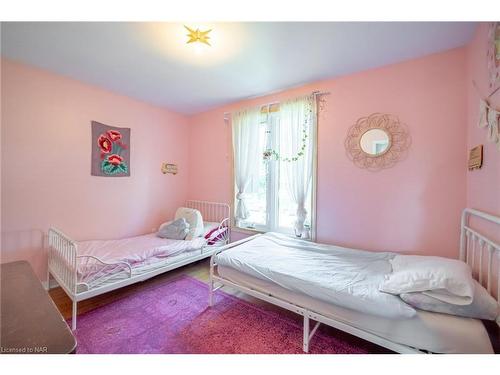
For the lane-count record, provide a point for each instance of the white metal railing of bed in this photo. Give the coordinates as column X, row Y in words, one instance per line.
column 210, row 211
column 214, row 212
column 481, row 253
column 62, row 256
column 63, row 259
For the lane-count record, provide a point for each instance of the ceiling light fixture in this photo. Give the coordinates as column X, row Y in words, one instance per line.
column 197, row 36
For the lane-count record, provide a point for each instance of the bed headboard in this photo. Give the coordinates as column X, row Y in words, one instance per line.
column 481, row 253
column 211, row 211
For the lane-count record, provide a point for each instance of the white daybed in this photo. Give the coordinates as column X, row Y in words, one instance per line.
column 243, row 265
column 85, row 269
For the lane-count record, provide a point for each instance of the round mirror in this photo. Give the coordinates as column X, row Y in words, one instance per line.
column 375, row 142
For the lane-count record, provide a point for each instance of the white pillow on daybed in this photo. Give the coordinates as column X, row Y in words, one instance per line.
column 175, row 230
column 483, row 305
column 448, row 280
column 195, row 220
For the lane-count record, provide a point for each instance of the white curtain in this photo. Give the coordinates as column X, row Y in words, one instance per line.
column 246, row 155
column 297, row 129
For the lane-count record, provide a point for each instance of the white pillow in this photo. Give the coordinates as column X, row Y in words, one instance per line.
column 164, row 224
column 175, row 230
column 483, row 305
column 193, row 217
column 448, row 280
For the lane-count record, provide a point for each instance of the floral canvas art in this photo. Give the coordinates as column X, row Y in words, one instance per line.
column 110, row 150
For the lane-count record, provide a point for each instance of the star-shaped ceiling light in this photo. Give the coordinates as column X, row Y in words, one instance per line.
column 198, row 36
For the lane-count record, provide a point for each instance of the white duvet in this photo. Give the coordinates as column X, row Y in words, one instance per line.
column 135, row 251
column 337, row 275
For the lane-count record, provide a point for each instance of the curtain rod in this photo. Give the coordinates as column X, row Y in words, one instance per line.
column 315, row 93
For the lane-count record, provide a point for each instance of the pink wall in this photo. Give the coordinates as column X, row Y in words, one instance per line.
column 483, row 185
column 46, row 177
column 413, row 207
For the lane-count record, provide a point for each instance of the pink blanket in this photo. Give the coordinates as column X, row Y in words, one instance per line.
column 134, row 251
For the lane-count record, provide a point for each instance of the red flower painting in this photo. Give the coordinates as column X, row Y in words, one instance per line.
column 114, row 153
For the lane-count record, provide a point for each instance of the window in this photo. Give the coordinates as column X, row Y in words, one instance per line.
column 274, row 167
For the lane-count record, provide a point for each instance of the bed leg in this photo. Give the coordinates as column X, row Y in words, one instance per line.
column 48, row 279
column 73, row 317
column 211, row 282
column 211, row 293
column 305, row 347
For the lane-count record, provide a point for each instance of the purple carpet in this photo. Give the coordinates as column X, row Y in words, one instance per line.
column 174, row 317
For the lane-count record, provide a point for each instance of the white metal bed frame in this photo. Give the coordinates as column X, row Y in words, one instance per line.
column 63, row 258
column 471, row 243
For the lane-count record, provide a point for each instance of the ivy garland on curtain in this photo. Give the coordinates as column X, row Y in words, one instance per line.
column 271, row 153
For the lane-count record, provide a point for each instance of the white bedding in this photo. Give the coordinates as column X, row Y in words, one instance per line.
column 340, row 276
column 134, row 251
column 448, row 280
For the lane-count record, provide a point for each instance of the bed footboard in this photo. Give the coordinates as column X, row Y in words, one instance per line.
column 62, row 265
column 62, row 258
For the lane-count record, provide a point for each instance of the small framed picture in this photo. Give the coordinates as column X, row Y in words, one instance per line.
column 169, row 168
column 476, row 157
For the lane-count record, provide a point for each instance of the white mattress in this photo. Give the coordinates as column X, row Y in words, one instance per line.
column 438, row 333
column 136, row 251
column 344, row 277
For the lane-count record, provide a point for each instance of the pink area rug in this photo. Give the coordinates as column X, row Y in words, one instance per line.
column 174, row 317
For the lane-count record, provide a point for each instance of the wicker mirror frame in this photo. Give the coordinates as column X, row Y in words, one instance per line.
column 399, row 141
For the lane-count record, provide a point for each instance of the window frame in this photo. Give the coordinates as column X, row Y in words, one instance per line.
column 272, row 196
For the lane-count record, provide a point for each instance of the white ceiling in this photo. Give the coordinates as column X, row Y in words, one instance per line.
column 151, row 62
